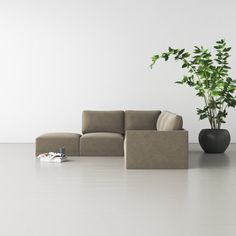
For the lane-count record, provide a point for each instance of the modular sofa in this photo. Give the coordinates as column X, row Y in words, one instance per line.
column 148, row 139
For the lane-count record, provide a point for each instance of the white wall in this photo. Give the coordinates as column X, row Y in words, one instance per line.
column 60, row 57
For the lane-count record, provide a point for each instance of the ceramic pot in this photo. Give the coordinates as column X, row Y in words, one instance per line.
column 214, row 140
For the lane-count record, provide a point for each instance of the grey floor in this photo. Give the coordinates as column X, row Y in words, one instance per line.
column 97, row 196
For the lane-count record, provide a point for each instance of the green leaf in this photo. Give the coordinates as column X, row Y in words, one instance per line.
column 197, row 49
column 200, row 94
column 154, row 59
column 227, row 49
column 165, row 56
column 185, row 55
column 181, row 51
column 203, row 116
column 178, row 82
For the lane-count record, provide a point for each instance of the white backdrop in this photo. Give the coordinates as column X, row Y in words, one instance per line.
column 58, row 58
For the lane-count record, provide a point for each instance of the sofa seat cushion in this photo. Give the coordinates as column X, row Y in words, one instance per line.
column 168, row 121
column 102, row 144
column 103, row 121
column 51, row 142
column 141, row 120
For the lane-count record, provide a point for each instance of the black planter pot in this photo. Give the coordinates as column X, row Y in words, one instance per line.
column 214, row 140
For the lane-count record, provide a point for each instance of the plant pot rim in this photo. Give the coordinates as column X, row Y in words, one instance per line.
column 214, row 129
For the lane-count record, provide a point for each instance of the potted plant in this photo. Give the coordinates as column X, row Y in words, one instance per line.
column 209, row 76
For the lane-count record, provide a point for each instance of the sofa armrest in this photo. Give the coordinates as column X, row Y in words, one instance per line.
column 151, row 149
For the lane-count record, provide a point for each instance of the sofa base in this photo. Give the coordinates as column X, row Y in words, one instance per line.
column 156, row 149
column 102, row 144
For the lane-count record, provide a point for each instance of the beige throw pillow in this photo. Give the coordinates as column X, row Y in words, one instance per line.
column 169, row 121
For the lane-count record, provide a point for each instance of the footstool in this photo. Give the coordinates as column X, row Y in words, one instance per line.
column 51, row 142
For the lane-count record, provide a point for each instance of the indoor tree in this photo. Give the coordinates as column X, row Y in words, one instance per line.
column 209, row 76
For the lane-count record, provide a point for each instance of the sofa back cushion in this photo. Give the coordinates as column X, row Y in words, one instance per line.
column 169, row 121
column 141, row 120
column 103, row 121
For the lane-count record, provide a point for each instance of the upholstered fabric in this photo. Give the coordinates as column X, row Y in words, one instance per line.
column 124, row 147
column 141, row 120
column 169, row 121
column 102, row 144
column 51, row 142
column 103, row 135
column 150, row 149
column 103, row 121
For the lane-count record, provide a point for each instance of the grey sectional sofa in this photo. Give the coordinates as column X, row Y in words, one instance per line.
column 148, row 139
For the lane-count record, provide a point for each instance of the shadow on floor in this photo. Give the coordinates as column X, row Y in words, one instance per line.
column 199, row 159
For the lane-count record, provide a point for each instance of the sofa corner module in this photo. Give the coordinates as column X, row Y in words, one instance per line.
column 156, row 149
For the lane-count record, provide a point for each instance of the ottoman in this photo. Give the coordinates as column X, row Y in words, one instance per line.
column 51, row 142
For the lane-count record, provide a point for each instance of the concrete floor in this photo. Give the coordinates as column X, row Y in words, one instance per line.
column 97, row 196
